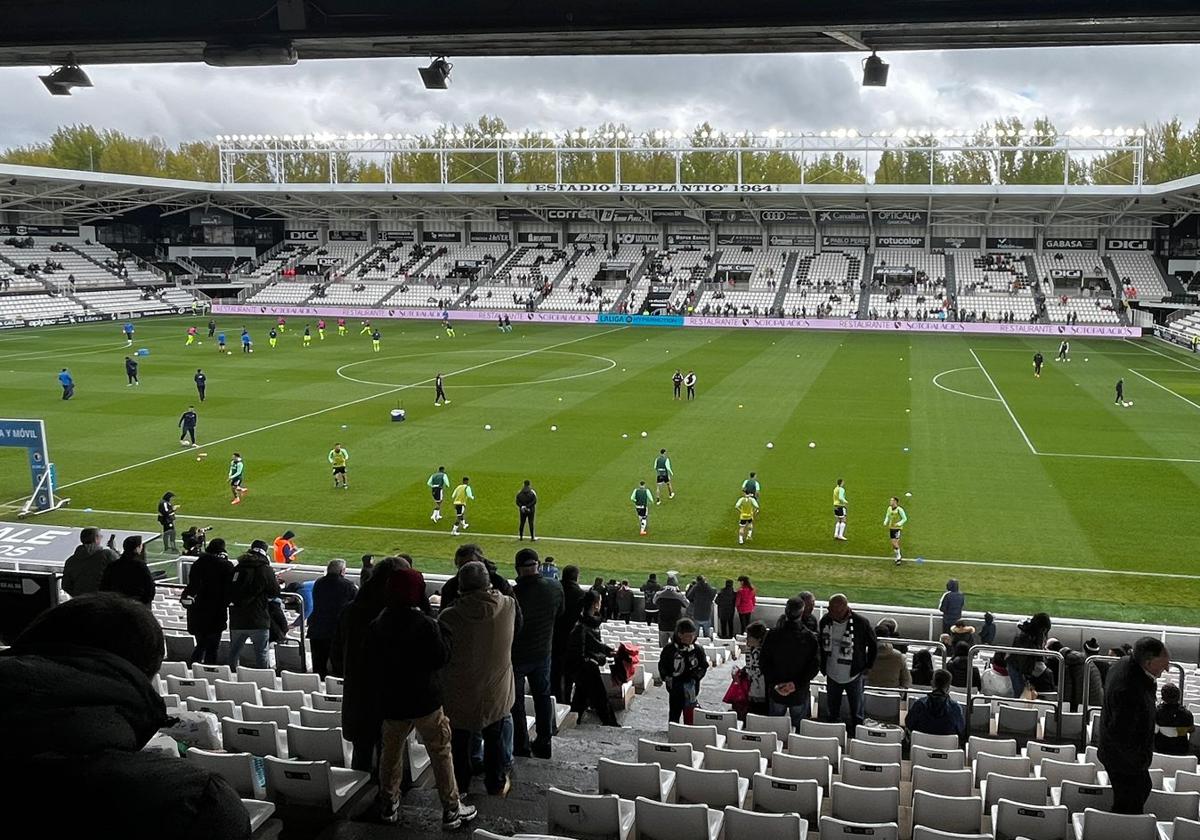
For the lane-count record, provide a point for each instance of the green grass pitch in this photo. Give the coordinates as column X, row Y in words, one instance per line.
column 1035, row 493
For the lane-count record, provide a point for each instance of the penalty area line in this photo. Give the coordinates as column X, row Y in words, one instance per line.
column 774, row 552
column 1004, row 403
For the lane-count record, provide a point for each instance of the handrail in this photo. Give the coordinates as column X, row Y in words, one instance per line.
column 1021, row 651
column 1087, row 686
column 925, row 643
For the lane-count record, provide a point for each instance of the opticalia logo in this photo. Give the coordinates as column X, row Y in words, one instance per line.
column 900, row 217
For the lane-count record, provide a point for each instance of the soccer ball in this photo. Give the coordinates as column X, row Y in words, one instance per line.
column 643, row 434
column 251, row 350
column 487, row 427
column 770, row 445
column 1127, row 404
column 812, row 444
column 554, row 428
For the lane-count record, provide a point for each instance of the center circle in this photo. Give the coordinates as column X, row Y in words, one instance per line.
column 609, row 364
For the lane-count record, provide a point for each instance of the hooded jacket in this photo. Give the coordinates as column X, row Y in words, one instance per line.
column 701, row 595
column 73, row 721
column 671, row 604
column 407, row 651
column 253, row 584
column 84, row 568
column 936, row 714
column 951, row 605
column 724, row 601
column 789, row 653
column 130, row 576
column 210, row 583
column 585, row 643
column 479, row 682
column 890, row 669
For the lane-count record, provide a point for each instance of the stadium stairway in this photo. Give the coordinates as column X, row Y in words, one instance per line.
column 789, row 268
column 951, row 279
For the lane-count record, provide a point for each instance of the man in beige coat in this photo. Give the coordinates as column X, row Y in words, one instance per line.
column 478, row 680
column 890, row 669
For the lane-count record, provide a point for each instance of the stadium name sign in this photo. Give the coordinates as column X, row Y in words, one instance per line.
column 653, row 188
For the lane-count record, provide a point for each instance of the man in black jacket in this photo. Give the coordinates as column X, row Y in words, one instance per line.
column 166, row 518
column 254, row 584
column 848, row 651
column 526, row 507
column 76, row 709
column 206, row 597
column 789, row 660
column 128, row 574
column 464, row 555
column 1127, row 723
column 330, row 595
column 572, row 605
column 541, row 603
column 672, row 604
column 84, row 568
column 407, row 650
column 726, row 611
column 701, row 594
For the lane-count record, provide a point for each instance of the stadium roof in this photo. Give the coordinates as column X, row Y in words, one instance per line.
column 33, row 193
column 132, row 31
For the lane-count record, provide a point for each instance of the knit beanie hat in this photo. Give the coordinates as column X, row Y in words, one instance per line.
column 406, row 588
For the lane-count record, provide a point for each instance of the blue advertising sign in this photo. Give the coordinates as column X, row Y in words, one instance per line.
column 31, row 435
column 640, row 320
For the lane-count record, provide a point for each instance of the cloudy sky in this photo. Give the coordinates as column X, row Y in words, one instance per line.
column 1075, row 87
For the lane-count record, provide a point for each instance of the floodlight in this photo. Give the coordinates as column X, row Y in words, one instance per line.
column 60, row 80
column 875, row 71
column 437, row 75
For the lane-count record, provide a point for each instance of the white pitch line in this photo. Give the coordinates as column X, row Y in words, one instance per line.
column 1165, row 388
column 328, row 409
column 1120, row 457
column 960, row 393
column 1004, row 402
column 778, row 552
column 1173, row 358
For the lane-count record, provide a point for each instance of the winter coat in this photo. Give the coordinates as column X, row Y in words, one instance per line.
column 677, row 665
column 672, row 604
column 1127, row 721
column 406, row 652
column 865, row 647
column 73, row 721
column 349, row 660
column 1027, row 637
column 499, row 582
column 995, row 684
column 624, row 601
column 724, row 602
column 541, row 602
column 936, row 714
column 584, row 643
column 130, row 576
column 987, row 633
column 890, row 669
column 790, row 653
column 84, row 568
column 210, row 582
column 745, row 599
column 1074, row 674
column 566, row 621
column 253, row 584
column 479, row 677
column 959, row 667
column 701, row 597
column 650, row 589
column 330, row 595
column 952, row 603
column 1173, row 727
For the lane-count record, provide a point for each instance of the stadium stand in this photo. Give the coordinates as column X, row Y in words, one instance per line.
column 1139, row 274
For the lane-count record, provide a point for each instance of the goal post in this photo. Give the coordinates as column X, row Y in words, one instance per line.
column 30, row 435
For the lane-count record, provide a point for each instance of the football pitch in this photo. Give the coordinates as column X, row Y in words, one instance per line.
column 1038, row 494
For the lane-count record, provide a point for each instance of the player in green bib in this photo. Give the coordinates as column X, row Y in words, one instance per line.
column 753, row 486
column 663, row 475
column 747, row 508
column 641, row 498
column 337, row 459
column 894, row 519
column 437, row 483
column 839, row 511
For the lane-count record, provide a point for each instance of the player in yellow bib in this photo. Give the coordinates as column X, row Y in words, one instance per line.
column 460, row 495
column 894, row 519
column 839, row 511
column 337, row 459
column 747, row 508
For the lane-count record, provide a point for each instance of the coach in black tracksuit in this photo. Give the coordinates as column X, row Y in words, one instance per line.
column 526, row 505
column 131, row 367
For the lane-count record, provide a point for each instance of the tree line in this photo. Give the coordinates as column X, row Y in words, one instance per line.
column 1172, row 151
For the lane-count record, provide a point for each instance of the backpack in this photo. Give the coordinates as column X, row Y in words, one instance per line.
column 625, row 661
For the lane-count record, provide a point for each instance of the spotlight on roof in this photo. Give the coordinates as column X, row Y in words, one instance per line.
column 875, row 71
column 437, row 75
column 70, row 75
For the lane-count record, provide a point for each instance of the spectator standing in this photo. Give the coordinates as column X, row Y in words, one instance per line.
column 745, row 601
column 701, row 595
column 790, row 659
column 572, row 605
column 962, row 633
column 348, row 659
column 128, row 574
column 650, row 590
column 809, row 619
column 624, row 601
column 479, row 677
column 725, row 610
column 407, row 651
column 891, row 668
column 549, row 569
column 937, row 713
column 599, row 588
column 1127, row 726
column 987, row 633
column 1173, row 724
column 610, row 598
column 961, row 668
column 206, row 596
column 672, row 605
column 1026, row 668
column 85, row 567
column 541, row 601
column 681, row 667
column 922, row 667
column 586, row 656
column 76, row 710
column 166, row 518
column 994, row 681
column 848, row 651
column 951, row 605
column 526, row 507
column 1075, row 672
column 467, row 553
column 330, row 595
column 254, row 584
column 368, row 565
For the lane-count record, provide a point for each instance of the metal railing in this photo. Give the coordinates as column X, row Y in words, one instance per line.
column 1057, row 703
column 1085, row 700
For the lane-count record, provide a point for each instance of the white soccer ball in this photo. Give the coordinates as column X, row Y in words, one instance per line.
column 554, row 428
column 624, row 435
column 436, row 337
column 251, row 350
column 812, row 444
column 770, row 445
column 199, row 342
column 643, row 434
column 1086, row 359
column 487, row 427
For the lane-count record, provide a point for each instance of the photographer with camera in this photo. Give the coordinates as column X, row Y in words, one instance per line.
column 194, row 540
